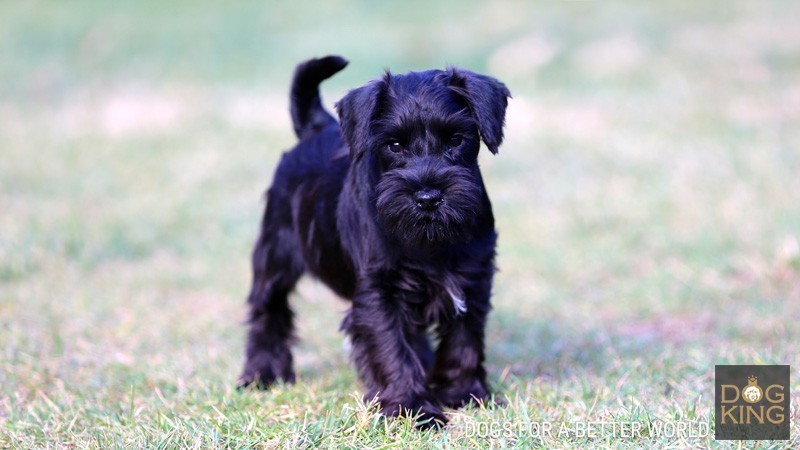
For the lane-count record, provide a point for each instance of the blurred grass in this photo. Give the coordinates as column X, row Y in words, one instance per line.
column 646, row 199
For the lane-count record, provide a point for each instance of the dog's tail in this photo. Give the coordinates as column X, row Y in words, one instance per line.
column 308, row 114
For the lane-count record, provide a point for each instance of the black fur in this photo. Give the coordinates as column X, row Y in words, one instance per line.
column 390, row 211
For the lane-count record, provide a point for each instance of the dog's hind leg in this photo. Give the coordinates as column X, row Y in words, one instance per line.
column 277, row 265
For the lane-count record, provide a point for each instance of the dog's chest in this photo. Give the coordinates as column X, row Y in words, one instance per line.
column 435, row 295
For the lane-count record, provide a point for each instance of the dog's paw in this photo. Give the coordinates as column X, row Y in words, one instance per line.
column 461, row 394
column 253, row 382
column 430, row 416
column 261, row 378
column 263, row 369
column 426, row 414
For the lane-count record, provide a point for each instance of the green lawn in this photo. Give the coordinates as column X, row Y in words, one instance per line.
column 647, row 198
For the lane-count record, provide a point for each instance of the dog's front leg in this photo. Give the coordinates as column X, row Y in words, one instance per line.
column 383, row 350
column 458, row 376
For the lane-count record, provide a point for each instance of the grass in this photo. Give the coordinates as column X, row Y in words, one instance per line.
column 646, row 199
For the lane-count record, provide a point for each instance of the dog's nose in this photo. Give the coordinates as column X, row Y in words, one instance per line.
column 428, row 199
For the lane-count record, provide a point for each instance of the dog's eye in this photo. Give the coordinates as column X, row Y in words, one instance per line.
column 394, row 146
column 454, row 141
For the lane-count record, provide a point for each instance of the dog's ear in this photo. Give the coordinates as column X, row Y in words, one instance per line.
column 487, row 99
column 356, row 111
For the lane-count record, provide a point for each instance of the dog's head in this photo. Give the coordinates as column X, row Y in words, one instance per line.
column 417, row 136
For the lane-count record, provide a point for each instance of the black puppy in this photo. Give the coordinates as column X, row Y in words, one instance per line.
column 390, row 211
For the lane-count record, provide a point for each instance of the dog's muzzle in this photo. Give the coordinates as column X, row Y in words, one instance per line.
column 429, row 203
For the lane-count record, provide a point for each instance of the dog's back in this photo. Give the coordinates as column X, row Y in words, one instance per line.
column 309, row 178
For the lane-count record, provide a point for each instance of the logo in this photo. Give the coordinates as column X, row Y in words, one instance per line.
column 752, row 393
column 752, row 402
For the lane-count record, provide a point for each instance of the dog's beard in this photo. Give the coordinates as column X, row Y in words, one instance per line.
column 451, row 222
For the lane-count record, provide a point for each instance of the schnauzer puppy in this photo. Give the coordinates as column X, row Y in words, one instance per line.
column 389, row 210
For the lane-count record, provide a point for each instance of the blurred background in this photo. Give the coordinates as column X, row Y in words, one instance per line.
column 646, row 197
